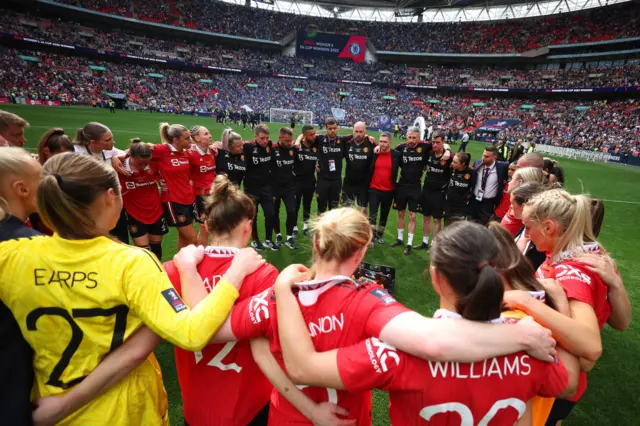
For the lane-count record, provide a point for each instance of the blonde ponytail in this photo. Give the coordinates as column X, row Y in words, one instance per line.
column 169, row 132
column 228, row 137
column 571, row 212
column 339, row 234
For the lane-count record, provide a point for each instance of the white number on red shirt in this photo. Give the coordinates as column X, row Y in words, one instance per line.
column 331, row 393
column 216, row 361
column 466, row 417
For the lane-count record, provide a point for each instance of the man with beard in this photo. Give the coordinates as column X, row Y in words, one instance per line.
column 414, row 156
column 305, row 171
column 257, row 183
column 284, row 185
column 359, row 156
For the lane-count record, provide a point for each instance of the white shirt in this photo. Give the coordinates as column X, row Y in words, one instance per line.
column 491, row 187
column 465, row 138
column 104, row 156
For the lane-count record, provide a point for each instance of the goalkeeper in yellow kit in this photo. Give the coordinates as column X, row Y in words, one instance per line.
column 77, row 296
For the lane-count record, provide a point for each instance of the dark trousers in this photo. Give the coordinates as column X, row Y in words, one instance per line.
column 305, row 190
column 382, row 200
column 262, row 197
column 328, row 194
column 481, row 211
column 121, row 231
column 463, row 147
column 288, row 197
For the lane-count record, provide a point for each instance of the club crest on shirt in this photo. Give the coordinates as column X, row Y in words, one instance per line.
column 315, row 149
column 419, row 150
column 242, row 157
column 174, row 300
column 467, row 176
column 268, row 150
column 337, row 142
column 365, row 149
column 443, row 162
column 291, row 153
column 149, row 172
column 182, row 218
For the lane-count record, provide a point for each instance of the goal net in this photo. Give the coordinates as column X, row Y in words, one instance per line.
column 280, row 115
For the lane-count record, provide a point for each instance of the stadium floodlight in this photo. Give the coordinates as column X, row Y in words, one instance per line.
column 281, row 115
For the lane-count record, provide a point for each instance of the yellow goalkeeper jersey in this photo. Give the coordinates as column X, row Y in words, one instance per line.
column 77, row 300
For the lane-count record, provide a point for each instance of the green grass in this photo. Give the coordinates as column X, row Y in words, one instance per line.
column 612, row 395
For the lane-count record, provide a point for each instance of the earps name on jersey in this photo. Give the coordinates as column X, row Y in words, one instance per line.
column 259, row 307
column 379, row 353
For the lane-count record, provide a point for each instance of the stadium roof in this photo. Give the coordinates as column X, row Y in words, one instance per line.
column 427, row 10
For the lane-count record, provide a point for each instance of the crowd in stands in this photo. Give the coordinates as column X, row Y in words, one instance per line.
column 602, row 124
column 608, row 23
column 127, row 42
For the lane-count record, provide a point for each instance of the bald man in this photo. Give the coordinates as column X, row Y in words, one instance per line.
column 358, row 156
column 532, row 159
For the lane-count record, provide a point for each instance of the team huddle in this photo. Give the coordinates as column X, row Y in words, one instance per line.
column 82, row 313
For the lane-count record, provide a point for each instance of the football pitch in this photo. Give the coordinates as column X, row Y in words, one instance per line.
column 612, row 396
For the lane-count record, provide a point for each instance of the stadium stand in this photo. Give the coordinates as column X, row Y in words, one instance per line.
column 503, row 37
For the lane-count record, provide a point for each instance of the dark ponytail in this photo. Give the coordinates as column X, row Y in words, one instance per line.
column 484, row 301
column 226, row 206
column 463, row 253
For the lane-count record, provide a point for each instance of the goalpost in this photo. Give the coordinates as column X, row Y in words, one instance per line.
column 281, row 115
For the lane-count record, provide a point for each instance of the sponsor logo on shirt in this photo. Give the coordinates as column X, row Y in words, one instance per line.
column 382, row 294
column 380, row 353
column 174, row 300
column 177, row 162
column 259, row 307
column 326, row 325
column 568, row 272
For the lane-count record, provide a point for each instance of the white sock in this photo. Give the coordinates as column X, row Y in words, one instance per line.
column 278, row 235
column 295, row 228
column 305, row 226
column 289, row 236
column 410, row 239
column 425, row 240
column 401, row 234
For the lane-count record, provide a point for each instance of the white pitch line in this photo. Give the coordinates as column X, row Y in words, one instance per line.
column 115, row 130
column 620, row 201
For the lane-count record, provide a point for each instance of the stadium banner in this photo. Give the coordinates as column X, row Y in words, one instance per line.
column 311, row 43
column 31, row 41
column 495, row 125
column 588, row 155
column 41, row 102
column 4, row 101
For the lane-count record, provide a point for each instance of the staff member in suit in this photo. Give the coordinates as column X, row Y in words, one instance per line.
column 384, row 173
column 491, row 176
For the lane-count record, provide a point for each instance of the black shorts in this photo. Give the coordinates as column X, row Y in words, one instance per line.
column 407, row 196
column 456, row 211
column 433, row 203
column 179, row 215
column 355, row 194
column 138, row 229
column 200, row 212
column 560, row 411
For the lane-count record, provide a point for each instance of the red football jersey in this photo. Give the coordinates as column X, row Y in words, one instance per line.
column 580, row 284
column 339, row 312
column 510, row 222
column 203, row 169
column 494, row 391
column 222, row 385
column 140, row 194
column 505, row 203
column 174, row 168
